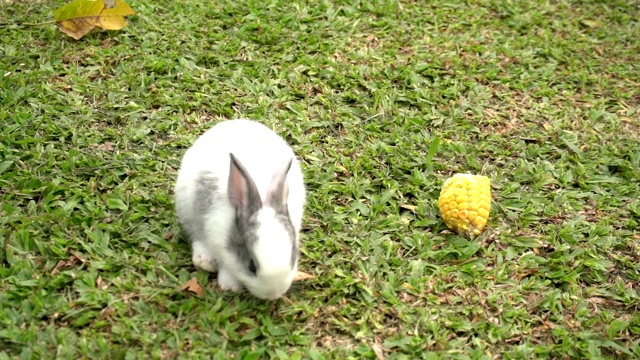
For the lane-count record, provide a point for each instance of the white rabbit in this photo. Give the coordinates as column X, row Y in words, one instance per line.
column 239, row 197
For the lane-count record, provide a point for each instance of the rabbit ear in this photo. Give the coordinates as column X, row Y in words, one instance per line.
column 278, row 191
column 243, row 192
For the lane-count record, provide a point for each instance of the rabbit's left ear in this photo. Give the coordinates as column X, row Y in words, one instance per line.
column 243, row 192
column 278, row 191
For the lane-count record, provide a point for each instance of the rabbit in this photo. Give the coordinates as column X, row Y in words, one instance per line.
column 239, row 197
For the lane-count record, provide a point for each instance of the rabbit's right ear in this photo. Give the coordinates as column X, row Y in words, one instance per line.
column 278, row 191
column 243, row 193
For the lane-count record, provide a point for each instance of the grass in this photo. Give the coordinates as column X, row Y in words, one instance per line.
column 382, row 100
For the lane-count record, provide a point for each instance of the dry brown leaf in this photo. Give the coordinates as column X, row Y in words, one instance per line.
column 409, row 207
column 377, row 348
column 106, row 146
column 101, row 284
column 79, row 258
column 302, row 276
column 73, row 260
column 59, row 265
column 598, row 50
column 105, row 313
column 286, row 300
column 193, row 286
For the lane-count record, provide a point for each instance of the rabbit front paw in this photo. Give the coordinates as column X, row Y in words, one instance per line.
column 204, row 262
column 226, row 281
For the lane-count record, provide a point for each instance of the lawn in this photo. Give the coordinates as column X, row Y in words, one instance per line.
column 382, row 101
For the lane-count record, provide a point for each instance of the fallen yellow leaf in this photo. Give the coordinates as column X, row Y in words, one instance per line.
column 193, row 286
column 79, row 17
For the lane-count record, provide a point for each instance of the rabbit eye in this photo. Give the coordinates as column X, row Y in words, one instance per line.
column 252, row 267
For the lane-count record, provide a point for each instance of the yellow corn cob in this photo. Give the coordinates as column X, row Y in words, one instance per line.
column 465, row 202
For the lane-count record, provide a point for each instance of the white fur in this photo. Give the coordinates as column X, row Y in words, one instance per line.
column 262, row 152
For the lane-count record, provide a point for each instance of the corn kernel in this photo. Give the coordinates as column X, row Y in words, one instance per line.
column 479, row 223
column 462, row 199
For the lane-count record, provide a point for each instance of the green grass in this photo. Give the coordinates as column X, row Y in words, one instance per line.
column 541, row 96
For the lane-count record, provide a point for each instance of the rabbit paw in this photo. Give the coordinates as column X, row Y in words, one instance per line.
column 205, row 263
column 226, row 281
column 203, row 260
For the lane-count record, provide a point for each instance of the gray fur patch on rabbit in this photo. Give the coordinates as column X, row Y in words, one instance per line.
column 241, row 238
column 285, row 220
column 206, row 191
column 206, row 195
